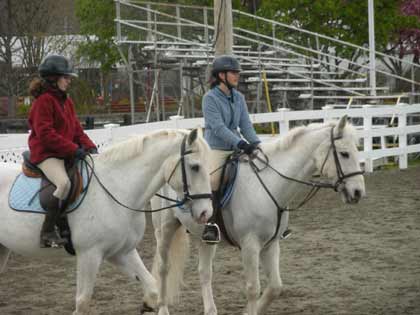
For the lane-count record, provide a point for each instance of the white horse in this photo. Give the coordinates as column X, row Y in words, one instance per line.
column 133, row 171
column 251, row 217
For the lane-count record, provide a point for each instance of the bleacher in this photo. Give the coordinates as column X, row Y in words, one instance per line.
column 297, row 75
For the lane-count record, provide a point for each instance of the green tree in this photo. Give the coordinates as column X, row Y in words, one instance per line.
column 346, row 20
column 97, row 24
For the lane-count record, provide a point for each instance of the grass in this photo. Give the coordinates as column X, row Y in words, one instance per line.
column 394, row 165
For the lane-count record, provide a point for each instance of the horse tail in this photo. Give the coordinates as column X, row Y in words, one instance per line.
column 4, row 257
column 178, row 254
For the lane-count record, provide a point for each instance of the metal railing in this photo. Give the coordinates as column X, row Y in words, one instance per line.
column 164, row 24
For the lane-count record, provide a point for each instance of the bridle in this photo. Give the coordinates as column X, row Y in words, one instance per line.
column 177, row 203
column 315, row 185
column 187, row 196
column 340, row 174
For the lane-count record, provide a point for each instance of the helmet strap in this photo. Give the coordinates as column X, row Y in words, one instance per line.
column 226, row 82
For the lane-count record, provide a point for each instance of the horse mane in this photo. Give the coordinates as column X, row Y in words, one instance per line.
column 135, row 145
column 294, row 134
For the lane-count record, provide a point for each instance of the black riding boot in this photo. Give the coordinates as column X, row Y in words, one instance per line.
column 49, row 234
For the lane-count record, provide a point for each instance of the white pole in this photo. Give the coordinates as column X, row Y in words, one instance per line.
column 372, row 55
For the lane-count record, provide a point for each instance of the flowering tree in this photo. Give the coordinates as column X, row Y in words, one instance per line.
column 409, row 38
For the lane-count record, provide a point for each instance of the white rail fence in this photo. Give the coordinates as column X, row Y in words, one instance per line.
column 371, row 130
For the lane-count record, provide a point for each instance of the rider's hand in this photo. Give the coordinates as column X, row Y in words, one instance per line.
column 255, row 151
column 93, row 150
column 247, row 147
column 80, row 154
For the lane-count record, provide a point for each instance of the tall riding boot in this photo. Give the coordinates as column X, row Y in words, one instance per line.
column 49, row 233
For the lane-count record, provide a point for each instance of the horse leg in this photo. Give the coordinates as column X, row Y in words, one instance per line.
column 270, row 261
column 168, row 230
column 132, row 265
column 250, row 259
column 205, row 269
column 4, row 257
column 87, row 269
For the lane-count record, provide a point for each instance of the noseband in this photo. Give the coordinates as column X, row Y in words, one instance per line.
column 340, row 174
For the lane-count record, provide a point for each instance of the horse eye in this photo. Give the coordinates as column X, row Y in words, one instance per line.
column 345, row 155
column 195, row 167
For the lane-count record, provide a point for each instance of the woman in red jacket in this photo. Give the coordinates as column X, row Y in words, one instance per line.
column 56, row 136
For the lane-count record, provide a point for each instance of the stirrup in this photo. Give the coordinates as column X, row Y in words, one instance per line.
column 212, row 228
column 54, row 241
column 286, row 234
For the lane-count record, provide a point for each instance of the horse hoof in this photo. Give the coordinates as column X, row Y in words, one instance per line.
column 146, row 309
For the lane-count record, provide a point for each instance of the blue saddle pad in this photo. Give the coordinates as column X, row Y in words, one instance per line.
column 24, row 194
column 230, row 185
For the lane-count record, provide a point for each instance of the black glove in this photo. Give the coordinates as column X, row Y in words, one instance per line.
column 80, row 154
column 246, row 147
column 93, row 150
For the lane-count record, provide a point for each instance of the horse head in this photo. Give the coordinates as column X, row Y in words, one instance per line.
column 338, row 160
column 188, row 174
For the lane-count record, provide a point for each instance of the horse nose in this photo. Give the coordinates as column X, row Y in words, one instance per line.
column 203, row 217
column 357, row 194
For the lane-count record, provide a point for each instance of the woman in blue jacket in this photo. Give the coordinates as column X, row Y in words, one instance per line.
column 227, row 124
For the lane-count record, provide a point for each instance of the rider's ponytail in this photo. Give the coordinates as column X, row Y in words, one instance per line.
column 37, row 87
column 40, row 85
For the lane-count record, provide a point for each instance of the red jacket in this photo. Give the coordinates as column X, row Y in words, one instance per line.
column 55, row 129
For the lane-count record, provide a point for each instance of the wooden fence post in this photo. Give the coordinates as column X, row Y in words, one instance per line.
column 283, row 122
column 367, row 139
column 402, row 140
column 109, row 128
column 327, row 112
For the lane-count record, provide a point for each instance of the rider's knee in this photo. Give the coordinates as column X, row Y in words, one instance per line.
column 63, row 188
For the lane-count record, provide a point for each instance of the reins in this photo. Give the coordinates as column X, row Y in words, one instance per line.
column 315, row 186
column 187, row 195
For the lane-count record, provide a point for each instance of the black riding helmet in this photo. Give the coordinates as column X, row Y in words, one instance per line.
column 56, row 65
column 225, row 63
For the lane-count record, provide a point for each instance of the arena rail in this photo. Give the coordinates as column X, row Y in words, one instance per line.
column 375, row 126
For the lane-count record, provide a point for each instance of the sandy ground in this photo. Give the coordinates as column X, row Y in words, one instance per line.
column 361, row 259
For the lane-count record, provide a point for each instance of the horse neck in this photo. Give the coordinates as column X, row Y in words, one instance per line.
column 136, row 180
column 296, row 162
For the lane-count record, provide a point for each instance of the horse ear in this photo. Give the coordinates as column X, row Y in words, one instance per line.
column 340, row 127
column 192, row 136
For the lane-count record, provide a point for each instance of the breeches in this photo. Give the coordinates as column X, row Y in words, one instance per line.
column 55, row 171
column 217, row 160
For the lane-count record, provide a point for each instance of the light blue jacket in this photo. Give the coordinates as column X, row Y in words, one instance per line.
column 223, row 117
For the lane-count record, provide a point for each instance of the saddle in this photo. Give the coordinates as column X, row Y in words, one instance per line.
column 47, row 188
column 46, row 198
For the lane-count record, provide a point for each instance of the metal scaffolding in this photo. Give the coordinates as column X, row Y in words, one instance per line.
column 162, row 39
